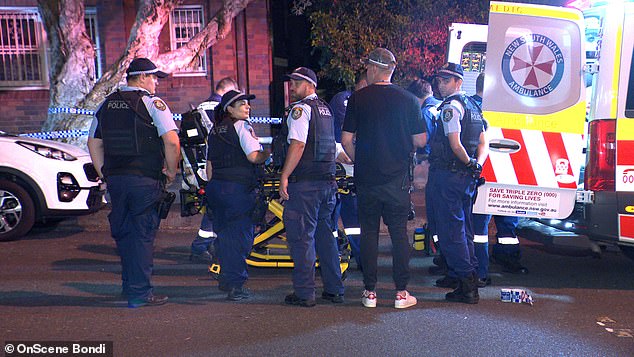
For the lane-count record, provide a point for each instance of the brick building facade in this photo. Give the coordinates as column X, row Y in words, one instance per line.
column 245, row 55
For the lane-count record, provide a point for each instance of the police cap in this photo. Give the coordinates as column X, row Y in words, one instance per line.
column 232, row 96
column 450, row 69
column 305, row 74
column 143, row 65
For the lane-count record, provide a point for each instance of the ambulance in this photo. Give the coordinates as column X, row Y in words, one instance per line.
column 559, row 97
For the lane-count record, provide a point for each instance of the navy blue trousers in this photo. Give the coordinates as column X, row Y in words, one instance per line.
column 451, row 202
column 308, row 222
column 231, row 204
column 134, row 222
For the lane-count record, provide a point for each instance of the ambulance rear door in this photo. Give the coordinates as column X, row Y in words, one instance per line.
column 535, row 104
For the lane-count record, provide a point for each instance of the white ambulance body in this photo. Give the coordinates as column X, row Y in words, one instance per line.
column 542, row 63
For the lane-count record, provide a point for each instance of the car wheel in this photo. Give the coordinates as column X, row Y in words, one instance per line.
column 17, row 212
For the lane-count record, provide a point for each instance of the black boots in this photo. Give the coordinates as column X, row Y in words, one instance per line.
column 510, row 263
column 467, row 291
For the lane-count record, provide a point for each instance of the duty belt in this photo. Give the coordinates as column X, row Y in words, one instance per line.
column 297, row 178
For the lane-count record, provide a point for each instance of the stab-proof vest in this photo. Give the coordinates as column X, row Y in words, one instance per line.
column 471, row 125
column 318, row 160
column 131, row 142
column 228, row 160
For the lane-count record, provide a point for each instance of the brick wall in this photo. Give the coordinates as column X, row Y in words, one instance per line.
column 25, row 110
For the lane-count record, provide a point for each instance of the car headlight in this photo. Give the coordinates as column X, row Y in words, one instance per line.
column 48, row 152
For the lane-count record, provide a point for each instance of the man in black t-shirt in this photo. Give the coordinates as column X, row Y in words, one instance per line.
column 383, row 125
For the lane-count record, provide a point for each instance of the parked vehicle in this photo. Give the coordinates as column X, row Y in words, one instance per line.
column 559, row 95
column 42, row 180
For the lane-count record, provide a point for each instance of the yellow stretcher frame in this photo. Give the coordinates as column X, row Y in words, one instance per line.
column 261, row 255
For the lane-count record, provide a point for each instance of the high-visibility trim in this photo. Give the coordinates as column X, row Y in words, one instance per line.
column 206, row 234
column 520, row 159
column 537, row 161
column 616, row 66
column 508, row 240
column 480, row 238
column 353, row 231
column 535, row 10
column 626, row 228
column 435, row 238
column 555, row 144
column 625, row 151
column 564, row 121
column 335, row 234
column 624, row 129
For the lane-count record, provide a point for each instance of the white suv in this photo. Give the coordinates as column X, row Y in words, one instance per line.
column 41, row 180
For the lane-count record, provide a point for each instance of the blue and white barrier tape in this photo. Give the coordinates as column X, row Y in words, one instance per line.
column 75, row 133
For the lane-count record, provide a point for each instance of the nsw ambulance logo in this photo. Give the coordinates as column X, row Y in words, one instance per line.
column 533, row 65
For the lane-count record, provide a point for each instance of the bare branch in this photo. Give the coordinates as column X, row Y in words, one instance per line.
column 216, row 30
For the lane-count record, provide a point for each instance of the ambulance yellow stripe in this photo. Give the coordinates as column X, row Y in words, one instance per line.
column 565, row 121
column 616, row 70
column 624, row 129
column 534, row 10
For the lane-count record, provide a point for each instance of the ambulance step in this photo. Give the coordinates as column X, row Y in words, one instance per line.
column 551, row 236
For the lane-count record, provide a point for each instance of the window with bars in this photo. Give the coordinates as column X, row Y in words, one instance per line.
column 92, row 30
column 185, row 23
column 22, row 56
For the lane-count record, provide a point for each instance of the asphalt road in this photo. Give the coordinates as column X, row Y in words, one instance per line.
column 63, row 284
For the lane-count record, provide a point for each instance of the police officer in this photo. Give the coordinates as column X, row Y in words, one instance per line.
column 307, row 184
column 134, row 146
column 347, row 206
column 457, row 152
column 202, row 246
column 234, row 151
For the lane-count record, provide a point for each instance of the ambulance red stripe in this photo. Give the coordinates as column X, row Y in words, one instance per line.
column 557, row 150
column 521, row 161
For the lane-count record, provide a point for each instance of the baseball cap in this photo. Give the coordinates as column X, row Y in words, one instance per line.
column 450, row 69
column 232, row 96
column 381, row 57
column 303, row 73
column 143, row 65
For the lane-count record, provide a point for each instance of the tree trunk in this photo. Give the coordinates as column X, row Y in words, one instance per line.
column 72, row 56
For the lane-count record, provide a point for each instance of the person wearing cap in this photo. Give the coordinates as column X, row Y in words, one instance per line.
column 307, row 184
column 382, row 127
column 458, row 149
column 232, row 158
column 134, row 146
column 202, row 247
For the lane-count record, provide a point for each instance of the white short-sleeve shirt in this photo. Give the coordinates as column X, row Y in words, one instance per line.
column 298, row 121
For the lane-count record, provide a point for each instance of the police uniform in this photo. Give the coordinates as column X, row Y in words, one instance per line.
column 311, row 190
column 132, row 170
column 231, row 197
column 453, row 188
column 347, row 206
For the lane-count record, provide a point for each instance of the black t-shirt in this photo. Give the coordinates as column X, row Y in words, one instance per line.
column 384, row 118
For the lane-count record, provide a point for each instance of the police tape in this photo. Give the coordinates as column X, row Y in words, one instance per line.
column 62, row 134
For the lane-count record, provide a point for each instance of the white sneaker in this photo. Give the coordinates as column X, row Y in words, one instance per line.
column 404, row 300
column 368, row 298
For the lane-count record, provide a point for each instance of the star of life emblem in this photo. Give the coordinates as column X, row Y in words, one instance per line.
column 533, row 65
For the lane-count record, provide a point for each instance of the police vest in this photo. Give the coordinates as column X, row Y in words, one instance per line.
column 228, row 160
column 131, row 142
column 318, row 160
column 471, row 126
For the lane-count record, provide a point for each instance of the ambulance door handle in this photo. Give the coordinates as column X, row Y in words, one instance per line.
column 505, row 146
